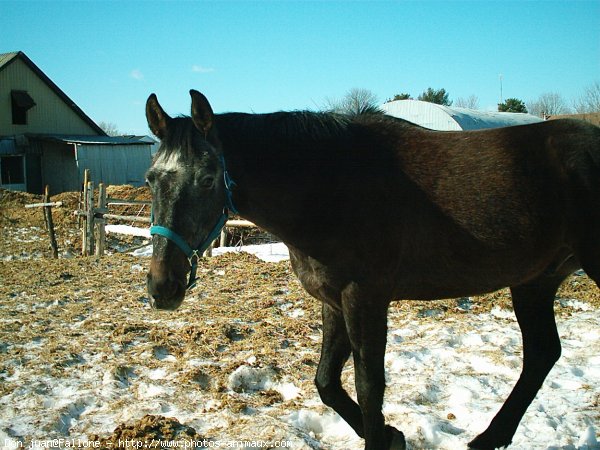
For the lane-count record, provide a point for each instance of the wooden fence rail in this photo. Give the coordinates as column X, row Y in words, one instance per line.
column 97, row 217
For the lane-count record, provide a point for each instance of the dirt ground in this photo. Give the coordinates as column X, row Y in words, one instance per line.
column 106, row 297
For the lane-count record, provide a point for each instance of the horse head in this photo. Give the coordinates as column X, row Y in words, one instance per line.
column 188, row 188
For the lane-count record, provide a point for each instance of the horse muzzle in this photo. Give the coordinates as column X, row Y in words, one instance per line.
column 166, row 288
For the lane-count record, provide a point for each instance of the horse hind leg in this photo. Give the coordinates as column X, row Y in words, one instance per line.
column 534, row 308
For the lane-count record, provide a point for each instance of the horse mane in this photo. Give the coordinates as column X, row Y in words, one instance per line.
column 283, row 126
column 288, row 126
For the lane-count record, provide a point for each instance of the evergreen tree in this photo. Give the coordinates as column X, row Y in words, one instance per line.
column 512, row 105
column 439, row 96
column 399, row 97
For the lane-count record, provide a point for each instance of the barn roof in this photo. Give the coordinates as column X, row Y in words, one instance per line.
column 8, row 58
column 439, row 117
column 96, row 140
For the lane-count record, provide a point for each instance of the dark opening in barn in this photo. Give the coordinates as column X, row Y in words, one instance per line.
column 12, row 170
column 21, row 103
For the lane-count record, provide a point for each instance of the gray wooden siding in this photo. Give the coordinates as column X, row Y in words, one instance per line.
column 115, row 164
column 50, row 114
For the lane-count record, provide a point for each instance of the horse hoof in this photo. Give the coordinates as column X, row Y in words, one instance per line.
column 479, row 443
column 395, row 438
column 487, row 448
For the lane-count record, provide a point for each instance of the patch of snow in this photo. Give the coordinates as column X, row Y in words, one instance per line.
column 128, row 230
column 150, row 390
column 327, row 426
column 144, row 252
column 274, row 252
column 575, row 304
column 288, row 391
column 254, row 379
column 500, row 313
column 249, row 379
column 157, row 374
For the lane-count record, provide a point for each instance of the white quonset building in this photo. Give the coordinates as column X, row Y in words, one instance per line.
column 444, row 118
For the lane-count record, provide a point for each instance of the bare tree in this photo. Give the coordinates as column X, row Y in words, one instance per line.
column 471, row 102
column 109, row 128
column 356, row 101
column 589, row 101
column 548, row 104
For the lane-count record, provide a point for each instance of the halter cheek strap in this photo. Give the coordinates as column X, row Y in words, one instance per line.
column 194, row 254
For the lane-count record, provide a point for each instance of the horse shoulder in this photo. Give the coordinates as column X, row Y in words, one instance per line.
column 316, row 278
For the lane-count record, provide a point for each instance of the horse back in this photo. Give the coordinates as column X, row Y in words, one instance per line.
column 519, row 175
column 492, row 208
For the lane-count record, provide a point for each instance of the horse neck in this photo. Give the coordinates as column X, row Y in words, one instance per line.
column 283, row 179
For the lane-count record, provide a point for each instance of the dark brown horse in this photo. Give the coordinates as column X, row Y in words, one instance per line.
column 425, row 214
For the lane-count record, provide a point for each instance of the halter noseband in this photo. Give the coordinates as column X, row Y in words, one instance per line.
column 194, row 254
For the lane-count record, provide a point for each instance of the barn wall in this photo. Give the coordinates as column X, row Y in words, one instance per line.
column 50, row 114
column 115, row 164
column 59, row 169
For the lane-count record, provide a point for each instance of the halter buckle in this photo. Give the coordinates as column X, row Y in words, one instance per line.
column 194, row 258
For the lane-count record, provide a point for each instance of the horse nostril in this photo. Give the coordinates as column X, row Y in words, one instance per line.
column 164, row 292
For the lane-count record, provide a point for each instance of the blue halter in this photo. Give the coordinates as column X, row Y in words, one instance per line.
column 194, row 254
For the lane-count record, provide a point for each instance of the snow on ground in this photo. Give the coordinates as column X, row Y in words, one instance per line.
column 448, row 379
column 445, row 381
column 128, row 230
column 273, row 252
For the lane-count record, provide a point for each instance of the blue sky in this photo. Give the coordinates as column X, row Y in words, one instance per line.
column 265, row 56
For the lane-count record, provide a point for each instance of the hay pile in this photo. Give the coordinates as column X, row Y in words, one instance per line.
column 73, row 318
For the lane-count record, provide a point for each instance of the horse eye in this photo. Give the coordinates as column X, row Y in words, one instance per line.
column 206, row 182
column 149, row 179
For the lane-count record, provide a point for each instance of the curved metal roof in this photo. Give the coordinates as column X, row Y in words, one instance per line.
column 444, row 118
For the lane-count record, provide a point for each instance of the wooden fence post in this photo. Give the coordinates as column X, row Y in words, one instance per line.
column 84, row 202
column 89, row 226
column 101, row 222
column 50, row 223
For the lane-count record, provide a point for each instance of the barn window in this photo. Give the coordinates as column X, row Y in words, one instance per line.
column 12, row 170
column 21, row 103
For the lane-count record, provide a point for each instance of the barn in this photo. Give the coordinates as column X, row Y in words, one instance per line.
column 46, row 139
column 444, row 118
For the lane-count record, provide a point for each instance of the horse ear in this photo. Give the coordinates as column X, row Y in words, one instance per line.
column 202, row 113
column 158, row 119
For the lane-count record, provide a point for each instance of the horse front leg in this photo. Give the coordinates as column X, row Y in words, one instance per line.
column 365, row 317
column 335, row 351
